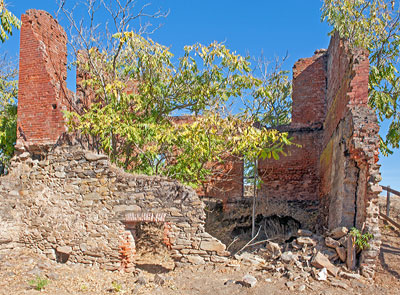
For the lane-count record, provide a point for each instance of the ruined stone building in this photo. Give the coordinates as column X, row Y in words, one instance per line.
column 331, row 180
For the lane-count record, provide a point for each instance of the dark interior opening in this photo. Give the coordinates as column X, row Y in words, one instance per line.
column 234, row 227
column 61, row 257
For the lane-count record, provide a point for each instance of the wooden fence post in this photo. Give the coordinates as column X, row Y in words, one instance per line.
column 388, row 202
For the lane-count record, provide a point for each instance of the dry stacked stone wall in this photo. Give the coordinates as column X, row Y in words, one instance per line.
column 71, row 205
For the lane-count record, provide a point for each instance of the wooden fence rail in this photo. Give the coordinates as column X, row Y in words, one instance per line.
column 388, row 219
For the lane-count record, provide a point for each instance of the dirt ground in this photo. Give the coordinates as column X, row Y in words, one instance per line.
column 20, row 266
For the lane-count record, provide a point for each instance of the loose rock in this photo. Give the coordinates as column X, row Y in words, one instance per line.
column 306, row 241
column 321, row 261
column 302, row 288
column 338, row 232
column 290, row 285
column 159, row 280
column 249, row 258
column 288, row 257
column 322, row 275
column 347, row 275
column 331, row 243
column 340, row 285
column 141, row 280
column 342, row 253
column 304, row 233
column 274, row 249
column 249, row 281
column 64, row 250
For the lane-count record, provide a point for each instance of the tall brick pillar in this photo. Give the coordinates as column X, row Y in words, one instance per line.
column 42, row 79
column 309, row 90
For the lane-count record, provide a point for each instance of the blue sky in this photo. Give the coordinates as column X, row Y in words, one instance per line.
column 274, row 27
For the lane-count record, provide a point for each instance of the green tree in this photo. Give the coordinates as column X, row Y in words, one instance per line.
column 7, row 22
column 8, row 111
column 136, row 128
column 8, row 91
column 375, row 26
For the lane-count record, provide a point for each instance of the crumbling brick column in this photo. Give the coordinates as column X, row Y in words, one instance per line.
column 42, row 79
column 309, row 89
column 348, row 163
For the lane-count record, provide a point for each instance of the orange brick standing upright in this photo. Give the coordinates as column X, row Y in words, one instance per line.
column 166, row 239
column 127, row 250
column 42, row 91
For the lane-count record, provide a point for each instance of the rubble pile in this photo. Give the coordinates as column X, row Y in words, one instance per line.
column 308, row 257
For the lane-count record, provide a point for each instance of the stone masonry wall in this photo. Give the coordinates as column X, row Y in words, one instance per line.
column 71, row 202
column 348, row 164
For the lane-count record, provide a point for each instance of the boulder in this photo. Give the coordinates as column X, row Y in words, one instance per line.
column 331, row 243
column 341, row 251
column 321, row 261
column 338, row 232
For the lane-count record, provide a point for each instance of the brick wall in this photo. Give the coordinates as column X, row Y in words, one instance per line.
column 349, row 123
column 348, row 164
column 42, row 79
column 291, row 184
column 309, row 87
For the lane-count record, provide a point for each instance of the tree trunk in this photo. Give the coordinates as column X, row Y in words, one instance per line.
column 253, row 215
